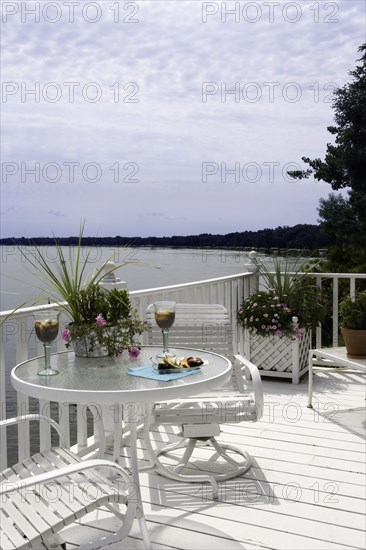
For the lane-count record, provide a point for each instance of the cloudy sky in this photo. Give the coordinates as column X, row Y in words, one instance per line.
column 170, row 117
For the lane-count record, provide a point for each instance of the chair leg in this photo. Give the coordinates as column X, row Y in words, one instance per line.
column 188, row 443
column 186, row 456
column 122, row 532
column 144, row 533
column 167, row 472
column 241, row 468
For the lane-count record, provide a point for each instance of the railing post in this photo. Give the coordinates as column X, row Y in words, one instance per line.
column 110, row 281
column 352, row 287
column 21, row 354
column 3, row 434
column 249, row 285
column 335, row 312
column 318, row 330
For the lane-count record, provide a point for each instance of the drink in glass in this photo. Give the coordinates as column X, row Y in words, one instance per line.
column 165, row 317
column 46, row 326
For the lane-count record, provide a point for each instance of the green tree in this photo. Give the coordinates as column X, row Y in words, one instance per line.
column 344, row 166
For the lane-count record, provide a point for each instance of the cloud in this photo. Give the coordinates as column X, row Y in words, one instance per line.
column 56, row 213
column 131, row 107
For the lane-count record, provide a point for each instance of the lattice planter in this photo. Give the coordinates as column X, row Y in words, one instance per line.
column 279, row 357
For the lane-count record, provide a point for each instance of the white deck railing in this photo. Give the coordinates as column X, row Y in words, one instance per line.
column 19, row 343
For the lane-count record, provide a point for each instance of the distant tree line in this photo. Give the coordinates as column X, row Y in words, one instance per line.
column 301, row 236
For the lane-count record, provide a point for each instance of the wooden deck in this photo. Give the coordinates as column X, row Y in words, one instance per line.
column 306, row 489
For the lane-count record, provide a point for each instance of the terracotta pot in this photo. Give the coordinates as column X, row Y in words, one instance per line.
column 355, row 342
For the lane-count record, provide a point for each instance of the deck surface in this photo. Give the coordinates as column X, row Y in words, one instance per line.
column 305, row 490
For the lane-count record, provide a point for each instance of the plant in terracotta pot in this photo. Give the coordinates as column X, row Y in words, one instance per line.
column 352, row 312
column 101, row 322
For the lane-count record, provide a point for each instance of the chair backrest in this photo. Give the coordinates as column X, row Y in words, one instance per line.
column 201, row 326
column 208, row 327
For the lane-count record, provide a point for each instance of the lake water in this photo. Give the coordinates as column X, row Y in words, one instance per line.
column 145, row 267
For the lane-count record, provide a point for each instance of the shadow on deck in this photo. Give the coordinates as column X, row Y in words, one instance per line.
column 305, row 489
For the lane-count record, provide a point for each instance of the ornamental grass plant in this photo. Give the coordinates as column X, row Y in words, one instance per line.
column 105, row 317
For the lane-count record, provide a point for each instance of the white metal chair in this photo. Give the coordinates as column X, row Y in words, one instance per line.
column 52, row 489
column 206, row 326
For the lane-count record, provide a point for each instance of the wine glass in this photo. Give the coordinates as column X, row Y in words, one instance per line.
column 46, row 325
column 165, row 317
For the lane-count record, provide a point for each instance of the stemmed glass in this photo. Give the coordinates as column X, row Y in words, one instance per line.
column 46, row 326
column 165, row 317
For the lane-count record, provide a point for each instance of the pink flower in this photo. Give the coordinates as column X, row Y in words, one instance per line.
column 66, row 335
column 101, row 322
column 278, row 333
column 134, row 352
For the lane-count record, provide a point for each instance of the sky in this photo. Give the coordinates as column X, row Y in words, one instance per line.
column 168, row 117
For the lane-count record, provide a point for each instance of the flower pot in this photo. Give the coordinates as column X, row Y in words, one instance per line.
column 279, row 356
column 355, row 342
column 85, row 347
column 89, row 345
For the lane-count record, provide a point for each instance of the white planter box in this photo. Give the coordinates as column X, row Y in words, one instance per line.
column 276, row 356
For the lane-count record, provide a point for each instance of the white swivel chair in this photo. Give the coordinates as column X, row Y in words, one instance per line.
column 208, row 327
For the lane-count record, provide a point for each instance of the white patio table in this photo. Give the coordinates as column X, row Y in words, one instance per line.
column 106, row 383
column 337, row 357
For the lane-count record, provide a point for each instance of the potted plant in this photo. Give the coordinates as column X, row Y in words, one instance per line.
column 278, row 320
column 107, row 324
column 101, row 322
column 352, row 312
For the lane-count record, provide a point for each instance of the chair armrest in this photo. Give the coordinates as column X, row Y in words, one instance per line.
column 12, row 486
column 257, row 383
column 39, row 417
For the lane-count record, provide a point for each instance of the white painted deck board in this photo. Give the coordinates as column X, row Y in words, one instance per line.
column 306, row 489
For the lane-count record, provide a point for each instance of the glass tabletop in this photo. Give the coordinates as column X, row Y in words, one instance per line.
column 107, row 379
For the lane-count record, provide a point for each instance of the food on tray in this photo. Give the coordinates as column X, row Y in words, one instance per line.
column 194, row 361
column 172, row 362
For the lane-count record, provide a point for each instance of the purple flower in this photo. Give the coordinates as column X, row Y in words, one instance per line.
column 134, row 352
column 278, row 333
column 101, row 322
column 66, row 335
